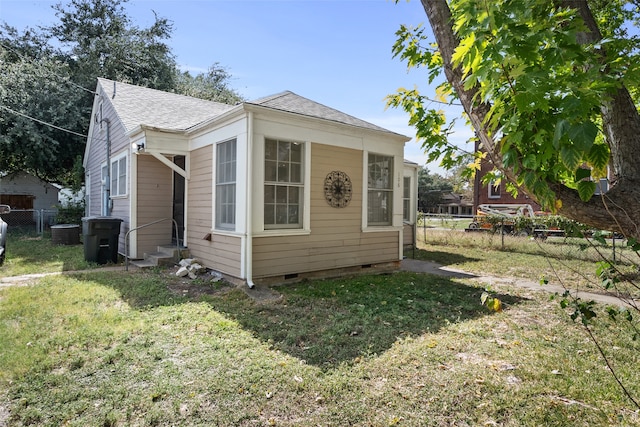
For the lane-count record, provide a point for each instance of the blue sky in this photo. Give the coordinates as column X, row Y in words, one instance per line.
column 336, row 52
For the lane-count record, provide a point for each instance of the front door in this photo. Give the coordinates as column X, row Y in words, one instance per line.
column 178, row 201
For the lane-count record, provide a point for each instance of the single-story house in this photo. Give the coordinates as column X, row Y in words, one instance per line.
column 271, row 190
column 24, row 191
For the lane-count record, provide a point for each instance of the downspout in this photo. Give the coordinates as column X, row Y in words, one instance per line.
column 106, row 185
column 249, row 218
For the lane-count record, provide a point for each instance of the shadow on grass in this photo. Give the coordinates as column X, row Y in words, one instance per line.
column 441, row 257
column 328, row 322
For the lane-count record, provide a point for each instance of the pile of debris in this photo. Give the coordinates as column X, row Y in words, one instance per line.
column 189, row 267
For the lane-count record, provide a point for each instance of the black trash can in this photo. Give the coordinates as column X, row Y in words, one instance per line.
column 100, row 235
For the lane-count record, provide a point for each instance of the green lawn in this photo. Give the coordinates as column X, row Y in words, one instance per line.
column 120, row 348
column 29, row 254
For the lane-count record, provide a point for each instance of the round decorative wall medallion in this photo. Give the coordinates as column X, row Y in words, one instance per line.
column 337, row 189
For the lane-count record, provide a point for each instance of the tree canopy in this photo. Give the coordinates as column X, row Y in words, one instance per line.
column 550, row 88
column 48, row 74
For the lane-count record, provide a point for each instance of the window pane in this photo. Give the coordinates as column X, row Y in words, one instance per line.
column 114, row 178
column 296, row 173
column 294, row 195
column 281, row 194
column 283, row 151
column 281, row 214
column 269, row 213
column 283, row 172
column 296, row 153
column 270, row 171
column 122, row 177
column 269, row 193
column 293, row 214
column 270, row 149
column 406, row 190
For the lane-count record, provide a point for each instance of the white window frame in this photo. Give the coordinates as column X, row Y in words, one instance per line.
column 226, row 178
column 492, row 193
column 406, row 198
column 119, row 176
column 283, row 186
column 380, row 182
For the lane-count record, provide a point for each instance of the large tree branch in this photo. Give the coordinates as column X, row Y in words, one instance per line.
column 618, row 210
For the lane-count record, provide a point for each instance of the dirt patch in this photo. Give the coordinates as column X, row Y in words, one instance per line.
column 262, row 294
column 210, row 283
column 205, row 283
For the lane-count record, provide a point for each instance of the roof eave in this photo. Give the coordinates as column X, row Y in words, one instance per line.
column 214, row 120
column 261, row 108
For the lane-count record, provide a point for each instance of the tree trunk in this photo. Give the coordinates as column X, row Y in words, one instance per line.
column 619, row 209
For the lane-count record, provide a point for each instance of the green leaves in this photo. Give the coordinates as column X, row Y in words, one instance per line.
column 543, row 87
column 583, row 135
column 586, row 190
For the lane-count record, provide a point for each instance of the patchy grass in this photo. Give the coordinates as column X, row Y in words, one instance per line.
column 28, row 254
column 116, row 348
column 569, row 262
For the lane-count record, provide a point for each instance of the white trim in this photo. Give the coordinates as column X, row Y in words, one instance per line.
column 116, row 159
column 490, row 193
column 133, row 204
column 184, row 172
column 258, row 196
column 185, row 207
column 214, row 167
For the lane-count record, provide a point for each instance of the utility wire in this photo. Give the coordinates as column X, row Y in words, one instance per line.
column 42, row 122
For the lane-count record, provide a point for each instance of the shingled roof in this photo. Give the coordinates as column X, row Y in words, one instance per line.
column 136, row 105
column 140, row 106
column 293, row 103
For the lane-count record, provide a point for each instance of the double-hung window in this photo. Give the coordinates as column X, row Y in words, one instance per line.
column 119, row 176
column 406, row 199
column 226, row 153
column 283, row 184
column 379, row 190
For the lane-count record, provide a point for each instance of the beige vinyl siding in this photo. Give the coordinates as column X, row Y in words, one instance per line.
column 222, row 252
column 155, row 202
column 336, row 239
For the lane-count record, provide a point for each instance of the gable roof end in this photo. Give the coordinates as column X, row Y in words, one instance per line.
column 141, row 106
column 290, row 102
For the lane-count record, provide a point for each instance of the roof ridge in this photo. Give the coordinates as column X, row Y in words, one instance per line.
column 160, row 91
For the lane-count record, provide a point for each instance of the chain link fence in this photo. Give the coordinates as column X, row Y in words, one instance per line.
column 31, row 221
column 561, row 244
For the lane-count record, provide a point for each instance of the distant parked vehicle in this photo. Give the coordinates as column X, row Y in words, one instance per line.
column 3, row 233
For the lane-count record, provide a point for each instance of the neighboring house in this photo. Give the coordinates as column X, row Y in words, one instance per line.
column 271, row 190
column 455, row 204
column 495, row 193
column 23, row 191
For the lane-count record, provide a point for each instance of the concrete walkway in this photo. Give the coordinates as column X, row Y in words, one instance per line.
column 431, row 267
column 28, row 278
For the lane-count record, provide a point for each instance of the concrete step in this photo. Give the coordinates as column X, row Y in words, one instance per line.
column 160, row 258
column 164, row 255
column 143, row 263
